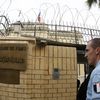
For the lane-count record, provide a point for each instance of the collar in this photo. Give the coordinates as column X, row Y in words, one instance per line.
column 98, row 63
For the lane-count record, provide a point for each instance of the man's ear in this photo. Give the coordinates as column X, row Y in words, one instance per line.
column 97, row 50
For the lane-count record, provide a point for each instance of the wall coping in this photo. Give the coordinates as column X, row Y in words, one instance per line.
column 29, row 39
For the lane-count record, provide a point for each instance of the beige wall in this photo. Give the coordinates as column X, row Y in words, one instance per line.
column 36, row 83
column 81, row 73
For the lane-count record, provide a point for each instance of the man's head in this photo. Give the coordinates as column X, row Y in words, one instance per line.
column 93, row 51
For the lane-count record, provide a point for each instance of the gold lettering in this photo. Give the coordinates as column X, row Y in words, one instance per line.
column 11, row 60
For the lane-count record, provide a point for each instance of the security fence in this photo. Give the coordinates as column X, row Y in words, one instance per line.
column 59, row 33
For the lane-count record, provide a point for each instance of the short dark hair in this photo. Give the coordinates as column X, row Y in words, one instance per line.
column 95, row 42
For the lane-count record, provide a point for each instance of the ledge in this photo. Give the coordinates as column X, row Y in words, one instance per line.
column 30, row 39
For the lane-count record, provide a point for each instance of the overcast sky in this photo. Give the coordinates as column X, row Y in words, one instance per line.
column 50, row 10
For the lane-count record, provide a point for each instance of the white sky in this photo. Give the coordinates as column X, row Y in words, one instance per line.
column 51, row 10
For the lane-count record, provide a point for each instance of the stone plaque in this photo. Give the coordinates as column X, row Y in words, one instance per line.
column 13, row 56
column 9, row 76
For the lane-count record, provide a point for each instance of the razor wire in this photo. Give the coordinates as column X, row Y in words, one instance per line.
column 55, row 19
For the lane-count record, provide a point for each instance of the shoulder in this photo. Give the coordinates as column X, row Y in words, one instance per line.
column 95, row 75
column 96, row 71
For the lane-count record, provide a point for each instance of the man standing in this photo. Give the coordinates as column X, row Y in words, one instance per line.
column 93, row 56
column 82, row 91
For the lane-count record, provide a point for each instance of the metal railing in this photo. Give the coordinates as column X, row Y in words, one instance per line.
column 60, row 33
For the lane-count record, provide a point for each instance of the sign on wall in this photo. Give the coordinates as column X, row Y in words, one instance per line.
column 13, row 56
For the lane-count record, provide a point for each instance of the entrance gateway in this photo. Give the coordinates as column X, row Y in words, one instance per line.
column 31, row 71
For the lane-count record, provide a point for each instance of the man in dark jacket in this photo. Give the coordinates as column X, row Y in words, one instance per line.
column 81, row 95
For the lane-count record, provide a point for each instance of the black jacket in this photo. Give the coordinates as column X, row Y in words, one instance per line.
column 81, row 95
